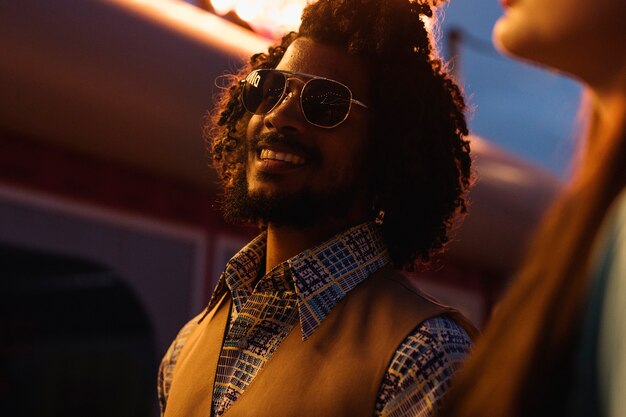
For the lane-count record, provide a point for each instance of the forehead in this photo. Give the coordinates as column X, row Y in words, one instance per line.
column 308, row 56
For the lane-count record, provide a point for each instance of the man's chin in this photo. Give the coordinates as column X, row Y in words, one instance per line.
column 301, row 210
column 278, row 210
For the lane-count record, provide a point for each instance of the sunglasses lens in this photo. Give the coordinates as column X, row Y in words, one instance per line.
column 262, row 90
column 325, row 103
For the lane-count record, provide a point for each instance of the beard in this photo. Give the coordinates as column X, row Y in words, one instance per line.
column 302, row 209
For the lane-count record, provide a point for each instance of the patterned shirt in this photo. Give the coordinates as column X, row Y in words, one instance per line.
column 305, row 288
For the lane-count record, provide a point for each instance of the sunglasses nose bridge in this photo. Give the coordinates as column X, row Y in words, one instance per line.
column 291, row 92
column 287, row 113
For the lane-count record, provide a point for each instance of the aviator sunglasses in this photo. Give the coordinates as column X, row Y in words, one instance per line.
column 324, row 102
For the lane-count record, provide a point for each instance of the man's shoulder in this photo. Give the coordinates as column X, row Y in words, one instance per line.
column 438, row 344
column 172, row 354
column 169, row 360
column 444, row 333
column 393, row 286
column 422, row 367
column 401, row 294
column 439, row 337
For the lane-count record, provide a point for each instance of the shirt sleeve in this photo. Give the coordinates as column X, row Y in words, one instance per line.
column 162, row 386
column 168, row 363
column 421, row 369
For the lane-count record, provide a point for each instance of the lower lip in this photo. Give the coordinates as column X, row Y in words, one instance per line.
column 507, row 3
column 272, row 166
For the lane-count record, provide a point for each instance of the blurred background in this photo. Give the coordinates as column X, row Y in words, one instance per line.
column 109, row 237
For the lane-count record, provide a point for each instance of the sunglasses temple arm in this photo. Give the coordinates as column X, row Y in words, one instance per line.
column 360, row 103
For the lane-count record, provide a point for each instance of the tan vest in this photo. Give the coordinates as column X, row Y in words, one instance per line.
column 337, row 371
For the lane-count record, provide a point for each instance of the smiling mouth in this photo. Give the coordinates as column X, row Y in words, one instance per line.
column 267, row 154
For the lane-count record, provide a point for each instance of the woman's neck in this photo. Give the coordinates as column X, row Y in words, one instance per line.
column 609, row 107
column 609, row 97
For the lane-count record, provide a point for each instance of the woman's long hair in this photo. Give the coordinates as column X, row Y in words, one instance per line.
column 523, row 364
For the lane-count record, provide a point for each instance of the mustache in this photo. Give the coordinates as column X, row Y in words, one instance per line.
column 275, row 138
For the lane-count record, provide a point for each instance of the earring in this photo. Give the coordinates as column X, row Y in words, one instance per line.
column 380, row 217
column 380, row 213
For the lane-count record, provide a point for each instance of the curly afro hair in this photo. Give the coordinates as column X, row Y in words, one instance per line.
column 419, row 155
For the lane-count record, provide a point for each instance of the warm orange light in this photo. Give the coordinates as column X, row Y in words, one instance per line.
column 223, row 6
column 272, row 18
column 195, row 22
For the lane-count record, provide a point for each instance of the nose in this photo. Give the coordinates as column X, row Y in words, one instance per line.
column 287, row 115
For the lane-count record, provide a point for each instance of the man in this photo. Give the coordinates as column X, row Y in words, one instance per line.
column 345, row 143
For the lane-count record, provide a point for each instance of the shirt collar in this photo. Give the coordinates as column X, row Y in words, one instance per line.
column 240, row 272
column 325, row 273
column 322, row 275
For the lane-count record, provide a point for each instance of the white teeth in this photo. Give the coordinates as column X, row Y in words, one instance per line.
column 282, row 156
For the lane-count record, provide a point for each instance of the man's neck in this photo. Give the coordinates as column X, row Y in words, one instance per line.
column 285, row 242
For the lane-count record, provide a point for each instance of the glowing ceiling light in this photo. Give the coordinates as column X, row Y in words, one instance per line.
column 250, row 10
column 223, row 6
column 271, row 18
column 291, row 14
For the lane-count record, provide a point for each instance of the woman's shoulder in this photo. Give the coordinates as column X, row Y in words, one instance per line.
column 618, row 208
column 612, row 236
column 610, row 268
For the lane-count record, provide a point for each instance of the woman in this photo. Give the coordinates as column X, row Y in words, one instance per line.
column 556, row 345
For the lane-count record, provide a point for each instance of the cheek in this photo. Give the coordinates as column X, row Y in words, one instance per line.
column 255, row 124
column 348, row 158
column 253, row 128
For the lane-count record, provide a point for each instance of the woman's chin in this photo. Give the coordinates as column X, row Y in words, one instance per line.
column 516, row 41
column 501, row 36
